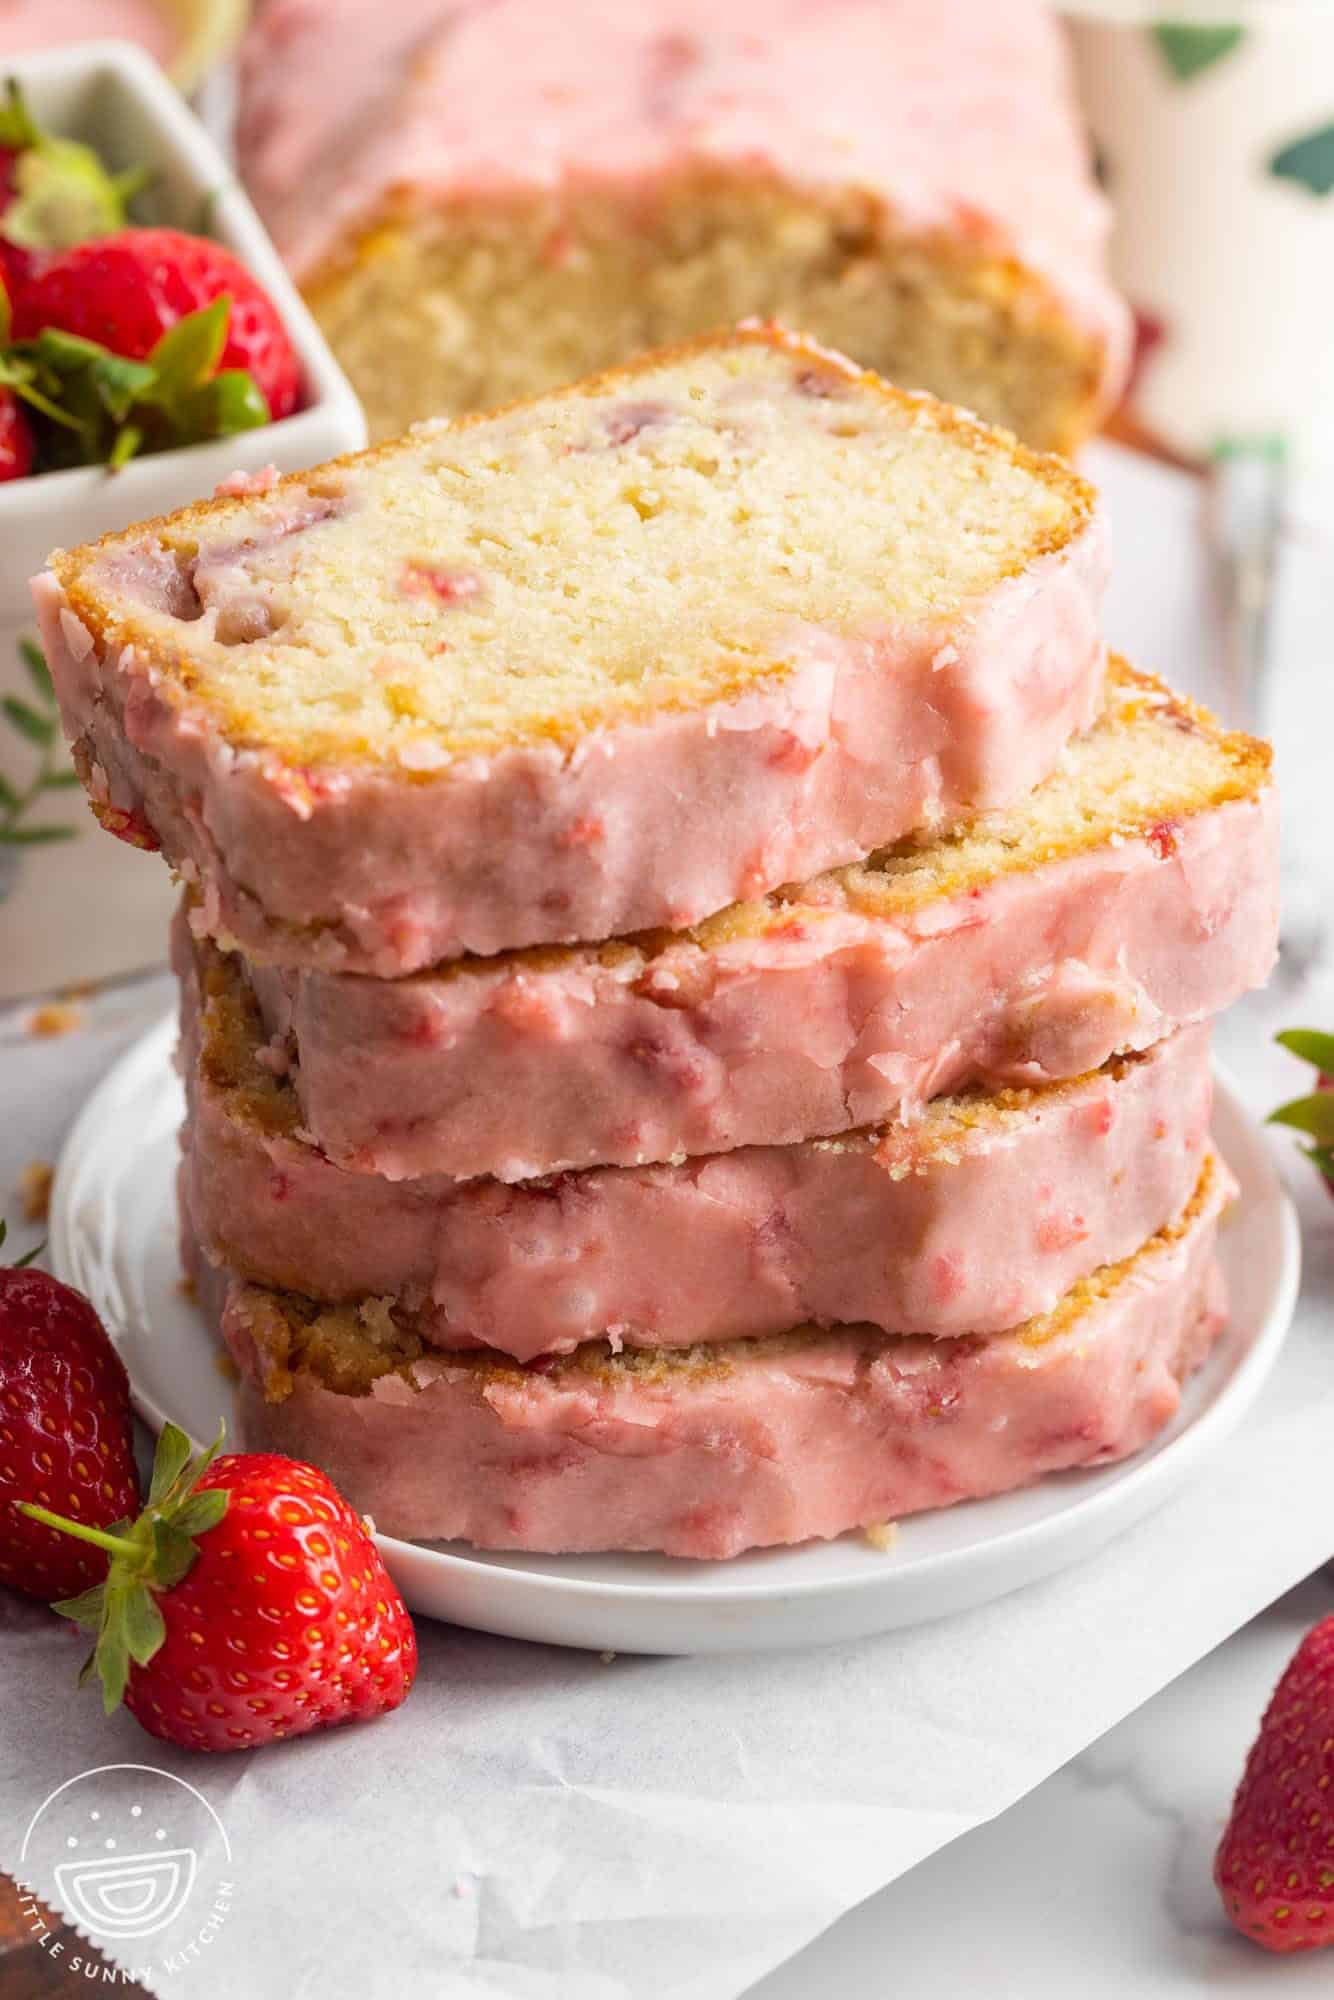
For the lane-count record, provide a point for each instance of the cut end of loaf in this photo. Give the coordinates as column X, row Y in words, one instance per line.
column 443, row 308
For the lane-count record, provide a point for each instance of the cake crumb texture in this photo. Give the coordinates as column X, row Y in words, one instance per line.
column 557, row 568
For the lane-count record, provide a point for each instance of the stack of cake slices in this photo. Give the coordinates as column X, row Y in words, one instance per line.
column 695, row 969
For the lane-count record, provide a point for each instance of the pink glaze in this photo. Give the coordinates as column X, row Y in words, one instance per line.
column 649, row 823
column 954, row 116
column 756, row 1443
column 937, row 1228
column 518, row 1068
column 28, row 25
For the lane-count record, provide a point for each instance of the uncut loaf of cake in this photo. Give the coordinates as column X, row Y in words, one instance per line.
column 708, row 1451
column 969, row 1219
column 490, row 199
column 1136, row 890
column 610, row 660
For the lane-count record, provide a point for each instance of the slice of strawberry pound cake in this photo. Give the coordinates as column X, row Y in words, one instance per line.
column 610, row 660
column 709, row 1451
column 492, row 199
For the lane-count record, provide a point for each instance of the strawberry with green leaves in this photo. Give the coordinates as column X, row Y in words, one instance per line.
column 1314, row 1113
column 54, row 192
column 247, row 1603
column 1275, row 1862
column 116, row 340
column 66, row 1437
column 130, row 291
column 95, row 407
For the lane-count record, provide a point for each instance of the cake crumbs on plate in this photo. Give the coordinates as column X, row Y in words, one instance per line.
column 55, row 1017
column 882, row 1535
column 35, row 1190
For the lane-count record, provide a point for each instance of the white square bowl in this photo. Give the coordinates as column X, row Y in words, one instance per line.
column 87, row 907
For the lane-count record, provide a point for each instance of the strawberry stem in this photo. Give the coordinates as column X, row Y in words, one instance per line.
column 148, row 1558
column 31, row 1256
column 115, row 1545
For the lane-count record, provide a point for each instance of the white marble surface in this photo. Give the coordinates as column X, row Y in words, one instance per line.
column 1098, row 1883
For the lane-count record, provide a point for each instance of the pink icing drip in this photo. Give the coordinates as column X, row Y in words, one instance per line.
column 841, row 1020
column 720, row 1246
column 785, row 1444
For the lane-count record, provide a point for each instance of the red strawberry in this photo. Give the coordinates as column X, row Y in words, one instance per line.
column 54, row 192
column 1313, row 1114
column 65, row 1433
column 15, row 438
column 125, row 291
column 248, row 1602
column 1275, row 1863
column 15, row 262
column 15, row 267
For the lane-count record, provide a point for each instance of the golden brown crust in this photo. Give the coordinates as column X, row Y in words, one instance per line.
column 1242, row 770
column 1101, row 1284
column 953, row 863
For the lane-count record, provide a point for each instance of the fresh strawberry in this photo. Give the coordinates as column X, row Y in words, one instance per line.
column 54, row 192
column 16, row 264
column 1275, row 1863
column 16, row 267
column 65, row 1434
column 15, row 438
column 120, row 340
column 126, row 291
column 248, row 1602
column 1314, row 1113
column 93, row 407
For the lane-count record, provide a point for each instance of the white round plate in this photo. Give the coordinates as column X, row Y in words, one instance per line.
column 113, row 1234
